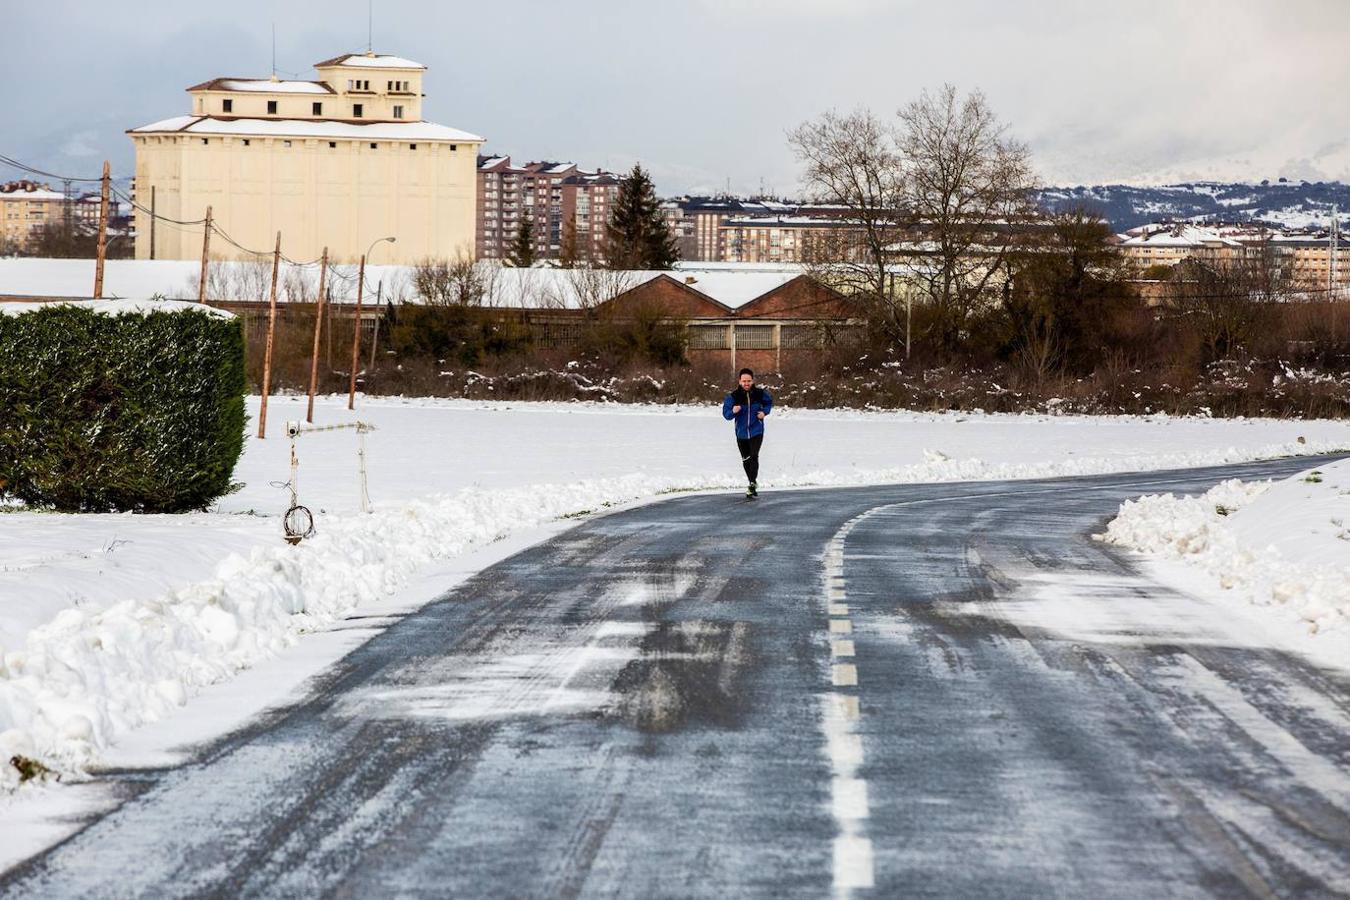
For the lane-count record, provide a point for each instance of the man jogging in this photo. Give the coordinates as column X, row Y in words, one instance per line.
column 747, row 406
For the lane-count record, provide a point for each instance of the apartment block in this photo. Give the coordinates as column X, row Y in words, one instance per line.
column 547, row 194
column 26, row 207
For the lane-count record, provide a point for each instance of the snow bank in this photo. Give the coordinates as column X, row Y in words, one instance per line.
column 1284, row 547
column 117, row 307
column 94, row 672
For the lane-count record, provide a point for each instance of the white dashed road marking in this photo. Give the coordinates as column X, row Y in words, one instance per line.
column 841, row 712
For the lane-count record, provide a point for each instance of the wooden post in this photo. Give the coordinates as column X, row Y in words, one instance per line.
column 356, row 332
column 328, row 338
column 375, row 338
column 206, row 248
column 153, row 218
column 318, row 328
column 271, row 330
column 102, row 234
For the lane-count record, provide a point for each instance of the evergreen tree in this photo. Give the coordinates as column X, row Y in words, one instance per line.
column 638, row 236
column 568, row 257
column 522, row 248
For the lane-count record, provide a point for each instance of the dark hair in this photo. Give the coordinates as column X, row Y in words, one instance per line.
column 749, row 372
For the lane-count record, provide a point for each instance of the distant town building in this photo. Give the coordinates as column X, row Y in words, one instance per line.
column 588, row 202
column 1303, row 255
column 547, row 194
column 760, row 230
column 337, row 162
column 27, row 207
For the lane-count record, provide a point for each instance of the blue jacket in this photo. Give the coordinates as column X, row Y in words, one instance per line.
column 748, row 422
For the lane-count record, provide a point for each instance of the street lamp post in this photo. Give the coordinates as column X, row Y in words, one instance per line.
column 356, row 326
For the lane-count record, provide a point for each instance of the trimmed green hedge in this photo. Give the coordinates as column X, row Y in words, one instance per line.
column 108, row 412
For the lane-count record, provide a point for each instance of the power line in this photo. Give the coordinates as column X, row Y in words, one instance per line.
column 126, row 198
column 10, row 161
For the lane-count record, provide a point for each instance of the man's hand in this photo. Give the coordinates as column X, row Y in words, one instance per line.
column 735, row 409
column 761, row 416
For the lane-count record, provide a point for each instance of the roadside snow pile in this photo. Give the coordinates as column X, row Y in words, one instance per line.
column 1285, row 546
column 94, row 672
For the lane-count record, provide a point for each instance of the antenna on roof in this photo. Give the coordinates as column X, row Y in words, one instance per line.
column 370, row 26
column 274, row 48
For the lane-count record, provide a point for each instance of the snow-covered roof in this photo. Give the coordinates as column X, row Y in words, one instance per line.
column 117, row 307
column 731, row 284
column 40, row 194
column 545, row 288
column 370, row 61
column 792, row 221
column 379, row 131
column 1180, row 236
column 733, row 289
column 267, row 85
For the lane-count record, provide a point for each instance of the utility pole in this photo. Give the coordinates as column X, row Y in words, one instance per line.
column 375, row 338
column 318, row 328
column 206, row 248
column 356, row 332
column 153, row 218
column 68, row 206
column 271, row 331
column 102, row 233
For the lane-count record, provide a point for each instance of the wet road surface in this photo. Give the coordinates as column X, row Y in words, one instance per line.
column 919, row 690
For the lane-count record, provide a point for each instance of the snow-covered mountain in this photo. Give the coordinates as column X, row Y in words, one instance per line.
column 1295, row 204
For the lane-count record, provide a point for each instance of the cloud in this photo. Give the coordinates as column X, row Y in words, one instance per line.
column 81, row 143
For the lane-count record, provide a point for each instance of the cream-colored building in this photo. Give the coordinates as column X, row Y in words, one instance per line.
column 339, row 162
column 26, row 207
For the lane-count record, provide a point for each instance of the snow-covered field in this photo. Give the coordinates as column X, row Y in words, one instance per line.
column 110, row 622
column 1283, row 546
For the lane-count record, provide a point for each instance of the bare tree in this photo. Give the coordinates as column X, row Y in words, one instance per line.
column 240, row 279
column 459, row 281
column 1069, row 293
column 853, row 159
column 589, row 287
column 968, row 187
column 937, row 196
column 1227, row 300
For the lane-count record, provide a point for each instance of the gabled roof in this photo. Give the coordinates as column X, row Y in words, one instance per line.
column 828, row 295
column 713, row 307
column 370, row 61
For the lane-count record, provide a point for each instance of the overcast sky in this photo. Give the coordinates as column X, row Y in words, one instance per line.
column 702, row 91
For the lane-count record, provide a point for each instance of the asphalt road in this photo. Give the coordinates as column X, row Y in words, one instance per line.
column 909, row 691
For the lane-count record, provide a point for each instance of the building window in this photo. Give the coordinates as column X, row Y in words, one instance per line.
column 205, row 141
column 398, row 111
column 754, row 337
column 285, row 143
column 454, row 147
column 245, row 142
column 227, row 105
column 332, row 145
column 318, row 109
column 356, row 110
column 374, row 146
column 412, row 146
column 271, row 107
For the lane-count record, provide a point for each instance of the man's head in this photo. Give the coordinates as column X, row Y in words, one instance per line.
column 747, row 379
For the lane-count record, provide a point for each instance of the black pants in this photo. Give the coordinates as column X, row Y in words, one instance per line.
column 750, row 455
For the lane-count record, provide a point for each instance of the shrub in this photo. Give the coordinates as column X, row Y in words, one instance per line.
column 132, row 412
